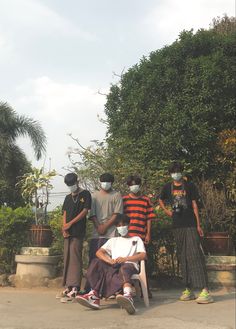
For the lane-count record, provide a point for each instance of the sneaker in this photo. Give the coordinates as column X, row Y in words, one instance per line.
column 89, row 300
column 63, row 293
column 66, row 299
column 126, row 302
column 204, row 297
column 187, row 294
column 73, row 293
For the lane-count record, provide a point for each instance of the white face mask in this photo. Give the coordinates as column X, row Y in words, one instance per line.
column 134, row 188
column 176, row 176
column 73, row 188
column 106, row 185
column 122, row 230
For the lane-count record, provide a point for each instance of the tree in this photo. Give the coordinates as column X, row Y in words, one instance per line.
column 174, row 104
column 12, row 159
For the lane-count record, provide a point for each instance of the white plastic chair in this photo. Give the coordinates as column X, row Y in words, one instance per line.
column 141, row 277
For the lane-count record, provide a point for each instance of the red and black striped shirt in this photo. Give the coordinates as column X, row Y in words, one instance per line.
column 139, row 210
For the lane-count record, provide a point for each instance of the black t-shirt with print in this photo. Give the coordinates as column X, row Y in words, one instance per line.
column 187, row 192
column 73, row 206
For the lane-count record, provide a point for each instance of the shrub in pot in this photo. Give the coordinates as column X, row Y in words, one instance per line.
column 217, row 219
column 35, row 187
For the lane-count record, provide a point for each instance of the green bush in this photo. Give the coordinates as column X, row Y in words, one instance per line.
column 162, row 259
column 55, row 222
column 14, row 227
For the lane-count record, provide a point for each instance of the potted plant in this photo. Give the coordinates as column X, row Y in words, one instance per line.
column 216, row 218
column 35, row 187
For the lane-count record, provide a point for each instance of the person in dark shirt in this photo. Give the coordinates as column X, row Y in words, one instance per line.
column 75, row 208
column 182, row 196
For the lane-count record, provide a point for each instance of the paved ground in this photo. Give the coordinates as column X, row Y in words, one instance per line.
column 38, row 309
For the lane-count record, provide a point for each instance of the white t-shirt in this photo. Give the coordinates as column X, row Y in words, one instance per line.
column 124, row 247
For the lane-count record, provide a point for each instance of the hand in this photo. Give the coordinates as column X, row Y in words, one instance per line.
column 169, row 213
column 65, row 234
column 101, row 229
column 112, row 261
column 147, row 239
column 67, row 226
column 120, row 260
column 200, row 231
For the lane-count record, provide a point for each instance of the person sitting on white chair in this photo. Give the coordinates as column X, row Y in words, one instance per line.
column 117, row 260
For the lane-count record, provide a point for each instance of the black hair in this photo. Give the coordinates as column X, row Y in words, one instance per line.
column 176, row 167
column 121, row 218
column 107, row 177
column 70, row 179
column 133, row 178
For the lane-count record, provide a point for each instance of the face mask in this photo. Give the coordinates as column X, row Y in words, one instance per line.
column 134, row 188
column 106, row 185
column 73, row 188
column 122, row 230
column 176, row 176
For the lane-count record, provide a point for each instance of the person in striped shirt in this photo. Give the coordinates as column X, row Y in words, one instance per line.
column 139, row 209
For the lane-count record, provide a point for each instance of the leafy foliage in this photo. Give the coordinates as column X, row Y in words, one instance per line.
column 14, row 226
column 35, row 186
column 13, row 161
column 173, row 104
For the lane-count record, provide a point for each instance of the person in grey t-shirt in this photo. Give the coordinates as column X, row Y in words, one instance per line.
column 106, row 204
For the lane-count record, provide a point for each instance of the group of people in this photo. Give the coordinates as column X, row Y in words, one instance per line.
column 121, row 229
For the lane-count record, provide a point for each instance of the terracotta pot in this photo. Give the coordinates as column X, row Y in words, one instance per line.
column 217, row 243
column 40, row 236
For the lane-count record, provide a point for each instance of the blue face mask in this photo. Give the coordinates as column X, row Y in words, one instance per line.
column 176, row 176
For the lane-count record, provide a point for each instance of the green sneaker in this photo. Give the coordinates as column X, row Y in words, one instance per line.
column 204, row 297
column 187, row 294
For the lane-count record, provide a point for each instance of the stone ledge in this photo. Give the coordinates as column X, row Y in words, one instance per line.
column 221, row 270
column 37, row 251
column 28, row 259
column 221, row 267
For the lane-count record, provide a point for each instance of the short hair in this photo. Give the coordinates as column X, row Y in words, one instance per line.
column 70, row 179
column 133, row 178
column 107, row 177
column 121, row 218
column 176, row 167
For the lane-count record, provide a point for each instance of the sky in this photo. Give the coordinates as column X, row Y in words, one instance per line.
column 57, row 58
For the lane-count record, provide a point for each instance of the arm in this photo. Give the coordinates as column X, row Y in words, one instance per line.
column 102, row 228
column 196, row 213
column 103, row 255
column 167, row 211
column 81, row 215
column 135, row 258
column 148, row 233
column 64, row 232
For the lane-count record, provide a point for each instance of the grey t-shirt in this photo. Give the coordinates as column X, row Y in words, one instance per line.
column 104, row 205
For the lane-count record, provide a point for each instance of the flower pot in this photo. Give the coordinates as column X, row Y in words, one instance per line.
column 40, row 236
column 217, row 243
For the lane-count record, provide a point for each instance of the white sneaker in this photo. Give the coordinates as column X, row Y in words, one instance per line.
column 89, row 300
column 126, row 301
column 72, row 294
